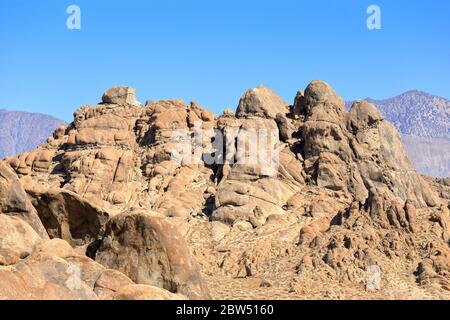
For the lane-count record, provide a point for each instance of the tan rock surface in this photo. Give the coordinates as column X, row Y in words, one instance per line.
column 141, row 292
column 341, row 214
column 261, row 102
column 14, row 201
column 53, row 271
column 151, row 251
column 17, row 239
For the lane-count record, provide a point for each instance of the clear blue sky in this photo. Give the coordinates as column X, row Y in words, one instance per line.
column 211, row 51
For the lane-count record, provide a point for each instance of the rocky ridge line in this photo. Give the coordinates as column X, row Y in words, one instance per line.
column 345, row 194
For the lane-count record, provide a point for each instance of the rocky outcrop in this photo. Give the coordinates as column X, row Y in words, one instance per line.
column 442, row 188
column 54, row 271
column 261, row 102
column 67, row 216
column 260, row 172
column 326, row 143
column 422, row 120
column 141, row 292
column 120, row 95
column 383, row 160
column 250, row 189
column 17, row 239
column 167, row 196
column 14, row 201
column 151, row 251
column 435, row 269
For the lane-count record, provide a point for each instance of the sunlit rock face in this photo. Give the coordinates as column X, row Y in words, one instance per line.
column 170, row 196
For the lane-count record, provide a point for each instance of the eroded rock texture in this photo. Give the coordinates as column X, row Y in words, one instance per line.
column 151, row 251
column 331, row 206
column 54, row 271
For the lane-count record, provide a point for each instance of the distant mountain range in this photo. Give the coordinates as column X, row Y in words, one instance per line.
column 24, row 131
column 424, row 122
column 418, row 113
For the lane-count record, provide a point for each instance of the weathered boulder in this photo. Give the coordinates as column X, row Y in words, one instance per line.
column 107, row 129
column 17, row 239
column 363, row 115
column 435, row 268
column 54, row 247
column 298, row 109
column 250, row 188
column 142, row 292
column 261, row 102
column 101, row 175
column 67, row 216
column 109, row 283
column 382, row 159
column 324, row 128
column 177, row 178
column 53, row 271
column 14, row 201
column 120, row 95
column 151, row 251
column 326, row 147
column 43, row 277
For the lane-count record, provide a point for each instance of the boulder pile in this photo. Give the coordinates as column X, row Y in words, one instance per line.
column 169, row 201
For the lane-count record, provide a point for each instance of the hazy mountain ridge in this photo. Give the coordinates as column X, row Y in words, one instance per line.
column 24, row 131
column 424, row 122
column 416, row 113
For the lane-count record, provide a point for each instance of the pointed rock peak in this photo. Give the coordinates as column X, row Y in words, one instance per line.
column 321, row 103
column 299, row 104
column 120, row 95
column 320, row 91
column 261, row 102
column 228, row 112
column 363, row 114
column 415, row 92
column 365, row 108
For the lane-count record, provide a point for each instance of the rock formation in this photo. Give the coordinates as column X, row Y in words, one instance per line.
column 168, row 201
column 423, row 120
column 151, row 251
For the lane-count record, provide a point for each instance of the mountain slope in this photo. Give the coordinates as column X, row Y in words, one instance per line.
column 431, row 156
column 417, row 113
column 424, row 122
column 24, row 131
